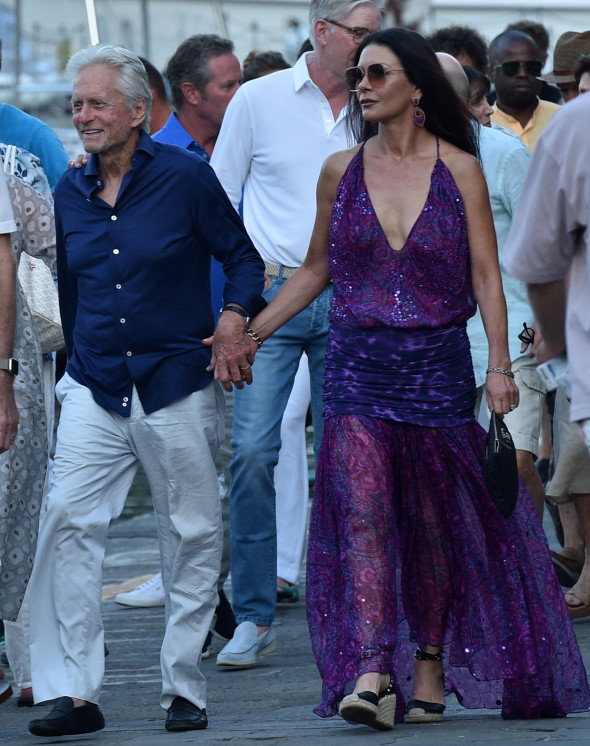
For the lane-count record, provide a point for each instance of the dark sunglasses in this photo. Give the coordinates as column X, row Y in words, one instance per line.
column 512, row 67
column 527, row 334
column 376, row 73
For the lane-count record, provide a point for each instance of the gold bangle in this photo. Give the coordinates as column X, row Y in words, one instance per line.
column 252, row 334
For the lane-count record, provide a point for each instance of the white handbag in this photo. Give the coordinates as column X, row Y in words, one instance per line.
column 36, row 279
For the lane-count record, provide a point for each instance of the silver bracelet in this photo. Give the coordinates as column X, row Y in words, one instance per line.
column 503, row 371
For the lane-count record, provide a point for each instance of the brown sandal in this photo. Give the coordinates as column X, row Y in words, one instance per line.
column 567, row 568
column 580, row 610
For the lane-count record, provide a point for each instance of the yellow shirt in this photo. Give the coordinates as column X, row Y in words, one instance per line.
column 529, row 134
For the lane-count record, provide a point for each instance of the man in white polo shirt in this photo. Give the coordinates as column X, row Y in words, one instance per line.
column 276, row 133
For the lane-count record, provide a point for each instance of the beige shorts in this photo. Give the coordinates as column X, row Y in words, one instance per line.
column 572, row 461
column 524, row 423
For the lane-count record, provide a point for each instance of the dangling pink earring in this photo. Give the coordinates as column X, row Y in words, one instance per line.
column 418, row 116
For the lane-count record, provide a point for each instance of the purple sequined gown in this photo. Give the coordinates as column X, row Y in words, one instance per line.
column 406, row 546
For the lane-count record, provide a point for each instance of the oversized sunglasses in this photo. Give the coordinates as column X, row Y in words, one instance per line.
column 512, row 67
column 376, row 73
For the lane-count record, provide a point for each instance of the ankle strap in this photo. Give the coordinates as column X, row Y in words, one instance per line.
column 422, row 655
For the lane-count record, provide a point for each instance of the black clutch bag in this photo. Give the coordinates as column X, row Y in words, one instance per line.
column 500, row 471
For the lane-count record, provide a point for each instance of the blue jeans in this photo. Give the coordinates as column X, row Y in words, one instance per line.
column 258, row 412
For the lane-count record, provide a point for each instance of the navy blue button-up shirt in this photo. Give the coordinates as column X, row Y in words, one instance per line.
column 174, row 133
column 134, row 281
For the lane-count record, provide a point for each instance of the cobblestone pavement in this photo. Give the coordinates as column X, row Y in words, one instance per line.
column 267, row 705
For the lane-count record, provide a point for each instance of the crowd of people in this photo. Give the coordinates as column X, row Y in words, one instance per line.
column 388, row 236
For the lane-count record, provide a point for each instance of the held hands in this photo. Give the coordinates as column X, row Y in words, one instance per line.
column 501, row 393
column 232, row 352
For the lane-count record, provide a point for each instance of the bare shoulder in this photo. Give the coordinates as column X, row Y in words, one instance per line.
column 464, row 167
column 335, row 167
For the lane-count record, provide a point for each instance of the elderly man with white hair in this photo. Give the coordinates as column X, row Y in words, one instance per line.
column 136, row 229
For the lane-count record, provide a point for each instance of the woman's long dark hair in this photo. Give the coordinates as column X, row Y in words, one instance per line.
column 447, row 115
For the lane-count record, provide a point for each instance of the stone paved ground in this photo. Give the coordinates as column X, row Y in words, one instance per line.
column 268, row 705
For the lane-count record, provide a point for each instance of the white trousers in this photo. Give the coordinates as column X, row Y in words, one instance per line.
column 291, row 478
column 97, row 455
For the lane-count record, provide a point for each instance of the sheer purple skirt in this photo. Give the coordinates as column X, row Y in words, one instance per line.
column 406, row 548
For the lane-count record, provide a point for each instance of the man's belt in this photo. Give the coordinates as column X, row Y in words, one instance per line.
column 274, row 270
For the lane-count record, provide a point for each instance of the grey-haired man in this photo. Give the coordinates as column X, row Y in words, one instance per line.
column 136, row 229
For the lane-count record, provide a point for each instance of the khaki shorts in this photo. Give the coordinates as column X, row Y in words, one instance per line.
column 572, row 461
column 524, row 423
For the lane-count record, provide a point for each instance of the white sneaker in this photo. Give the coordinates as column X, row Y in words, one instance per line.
column 150, row 593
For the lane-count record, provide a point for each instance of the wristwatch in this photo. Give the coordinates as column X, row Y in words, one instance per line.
column 10, row 365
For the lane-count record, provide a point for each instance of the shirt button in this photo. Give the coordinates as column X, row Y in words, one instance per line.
column 124, row 404
column 115, row 251
column 129, row 353
column 99, row 183
column 125, row 398
column 118, row 286
column 122, row 321
column 113, row 217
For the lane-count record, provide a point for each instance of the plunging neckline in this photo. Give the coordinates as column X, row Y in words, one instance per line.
column 413, row 228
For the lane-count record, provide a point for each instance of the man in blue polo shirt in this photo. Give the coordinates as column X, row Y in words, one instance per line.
column 204, row 74
column 136, row 230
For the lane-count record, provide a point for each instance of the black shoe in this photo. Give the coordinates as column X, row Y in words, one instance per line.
column 67, row 720
column 224, row 624
column 184, row 715
column 206, row 651
column 418, row 711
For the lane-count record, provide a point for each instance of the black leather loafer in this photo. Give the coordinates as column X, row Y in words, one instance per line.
column 184, row 715
column 67, row 720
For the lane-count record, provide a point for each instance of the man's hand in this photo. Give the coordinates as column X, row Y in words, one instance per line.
column 537, row 339
column 232, row 352
column 81, row 160
column 546, row 351
column 8, row 412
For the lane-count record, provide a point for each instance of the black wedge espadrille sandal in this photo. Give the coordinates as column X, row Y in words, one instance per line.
column 418, row 711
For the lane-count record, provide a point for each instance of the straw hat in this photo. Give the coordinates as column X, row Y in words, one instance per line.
column 568, row 49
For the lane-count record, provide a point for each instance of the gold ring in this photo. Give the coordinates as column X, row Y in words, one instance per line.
column 12, row 437
column 512, row 407
column 246, row 367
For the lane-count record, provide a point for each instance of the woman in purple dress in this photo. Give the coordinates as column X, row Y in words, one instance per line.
column 417, row 587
